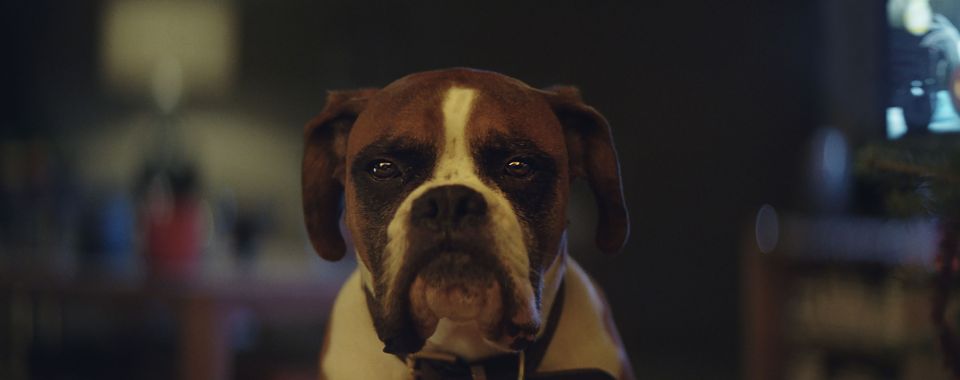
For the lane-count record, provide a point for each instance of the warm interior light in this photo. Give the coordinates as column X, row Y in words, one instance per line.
column 143, row 41
column 917, row 17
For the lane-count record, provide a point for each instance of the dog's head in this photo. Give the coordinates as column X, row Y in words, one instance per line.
column 454, row 186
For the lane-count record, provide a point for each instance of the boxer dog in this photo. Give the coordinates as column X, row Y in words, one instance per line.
column 453, row 186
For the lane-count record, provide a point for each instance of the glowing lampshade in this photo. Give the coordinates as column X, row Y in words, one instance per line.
column 168, row 48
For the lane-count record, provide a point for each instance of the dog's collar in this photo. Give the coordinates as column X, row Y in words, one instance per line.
column 521, row 365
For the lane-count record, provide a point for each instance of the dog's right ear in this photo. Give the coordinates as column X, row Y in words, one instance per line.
column 322, row 175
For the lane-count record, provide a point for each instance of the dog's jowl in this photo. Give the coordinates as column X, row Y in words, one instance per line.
column 452, row 186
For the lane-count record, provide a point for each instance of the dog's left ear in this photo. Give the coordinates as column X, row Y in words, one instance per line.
column 592, row 155
column 322, row 174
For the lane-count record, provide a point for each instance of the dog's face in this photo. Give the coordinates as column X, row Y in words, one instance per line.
column 455, row 186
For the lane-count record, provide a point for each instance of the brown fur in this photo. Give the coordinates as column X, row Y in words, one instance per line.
column 573, row 137
column 407, row 107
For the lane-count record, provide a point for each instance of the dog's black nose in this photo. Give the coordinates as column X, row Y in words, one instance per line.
column 448, row 207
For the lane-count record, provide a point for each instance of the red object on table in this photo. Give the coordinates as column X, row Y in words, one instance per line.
column 173, row 237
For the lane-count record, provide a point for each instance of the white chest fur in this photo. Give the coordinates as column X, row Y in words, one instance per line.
column 582, row 338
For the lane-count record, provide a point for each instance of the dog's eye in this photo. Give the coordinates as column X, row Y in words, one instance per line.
column 383, row 169
column 518, row 167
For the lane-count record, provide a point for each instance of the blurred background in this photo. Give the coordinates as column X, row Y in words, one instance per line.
column 150, row 222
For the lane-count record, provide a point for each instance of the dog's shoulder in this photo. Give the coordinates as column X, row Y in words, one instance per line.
column 585, row 336
column 351, row 349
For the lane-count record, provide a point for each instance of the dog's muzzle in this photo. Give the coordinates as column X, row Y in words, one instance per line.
column 450, row 209
column 460, row 278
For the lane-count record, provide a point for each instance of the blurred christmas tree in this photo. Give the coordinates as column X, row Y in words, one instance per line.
column 918, row 179
column 922, row 178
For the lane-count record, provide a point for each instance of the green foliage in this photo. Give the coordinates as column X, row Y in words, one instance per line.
column 914, row 177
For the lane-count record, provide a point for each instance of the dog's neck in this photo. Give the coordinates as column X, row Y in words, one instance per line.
column 464, row 339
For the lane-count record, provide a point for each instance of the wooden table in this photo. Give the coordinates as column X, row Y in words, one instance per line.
column 202, row 307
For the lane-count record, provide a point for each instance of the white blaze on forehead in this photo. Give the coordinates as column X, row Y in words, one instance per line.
column 455, row 165
column 456, row 112
column 455, row 161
